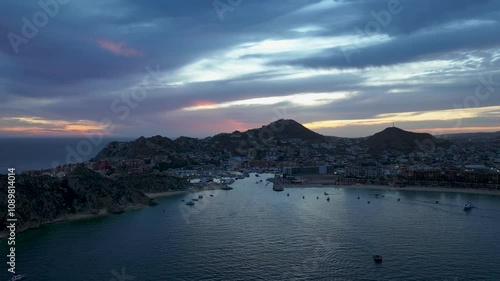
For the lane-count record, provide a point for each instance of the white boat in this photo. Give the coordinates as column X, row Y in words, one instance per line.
column 18, row 277
column 467, row 206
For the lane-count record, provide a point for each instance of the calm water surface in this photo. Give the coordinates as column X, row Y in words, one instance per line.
column 253, row 233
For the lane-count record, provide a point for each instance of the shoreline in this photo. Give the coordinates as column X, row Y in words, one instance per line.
column 407, row 188
column 70, row 218
column 210, row 186
column 215, row 186
column 104, row 212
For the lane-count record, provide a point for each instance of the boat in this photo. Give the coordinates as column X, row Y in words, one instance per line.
column 226, row 188
column 257, row 175
column 326, row 193
column 18, row 277
column 194, row 199
column 200, row 197
column 377, row 258
column 467, row 206
column 227, row 181
column 190, row 203
column 211, row 195
column 278, row 188
column 328, row 199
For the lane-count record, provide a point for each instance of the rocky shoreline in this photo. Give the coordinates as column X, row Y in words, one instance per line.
column 43, row 200
column 105, row 212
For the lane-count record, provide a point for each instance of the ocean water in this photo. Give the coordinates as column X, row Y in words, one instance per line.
column 37, row 153
column 254, row 233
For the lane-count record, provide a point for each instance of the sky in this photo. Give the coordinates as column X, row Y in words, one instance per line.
column 347, row 68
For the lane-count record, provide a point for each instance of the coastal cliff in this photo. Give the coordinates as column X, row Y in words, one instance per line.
column 44, row 199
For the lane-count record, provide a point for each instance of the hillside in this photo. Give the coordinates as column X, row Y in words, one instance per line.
column 43, row 199
column 139, row 148
column 393, row 138
column 236, row 142
column 284, row 129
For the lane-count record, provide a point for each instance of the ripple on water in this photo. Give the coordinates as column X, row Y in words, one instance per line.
column 253, row 233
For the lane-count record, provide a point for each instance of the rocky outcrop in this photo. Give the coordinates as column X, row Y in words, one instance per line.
column 44, row 199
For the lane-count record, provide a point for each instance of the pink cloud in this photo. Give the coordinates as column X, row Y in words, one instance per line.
column 119, row 48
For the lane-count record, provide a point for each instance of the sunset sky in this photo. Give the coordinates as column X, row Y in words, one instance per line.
column 197, row 68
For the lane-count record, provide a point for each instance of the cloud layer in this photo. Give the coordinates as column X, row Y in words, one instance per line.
column 196, row 68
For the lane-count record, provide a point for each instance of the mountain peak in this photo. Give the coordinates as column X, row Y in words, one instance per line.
column 393, row 138
column 289, row 128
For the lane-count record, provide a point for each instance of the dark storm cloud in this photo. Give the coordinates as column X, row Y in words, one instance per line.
column 90, row 54
column 408, row 48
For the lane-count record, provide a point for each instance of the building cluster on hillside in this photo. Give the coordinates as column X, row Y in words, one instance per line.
column 465, row 161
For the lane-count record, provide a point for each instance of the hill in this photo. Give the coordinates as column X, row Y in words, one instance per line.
column 236, row 143
column 44, row 199
column 284, row 129
column 393, row 138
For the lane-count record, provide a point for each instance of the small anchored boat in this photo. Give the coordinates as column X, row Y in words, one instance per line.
column 190, row 203
column 377, row 258
column 467, row 206
column 278, row 188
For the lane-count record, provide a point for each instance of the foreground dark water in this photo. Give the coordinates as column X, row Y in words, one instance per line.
column 253, row 233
